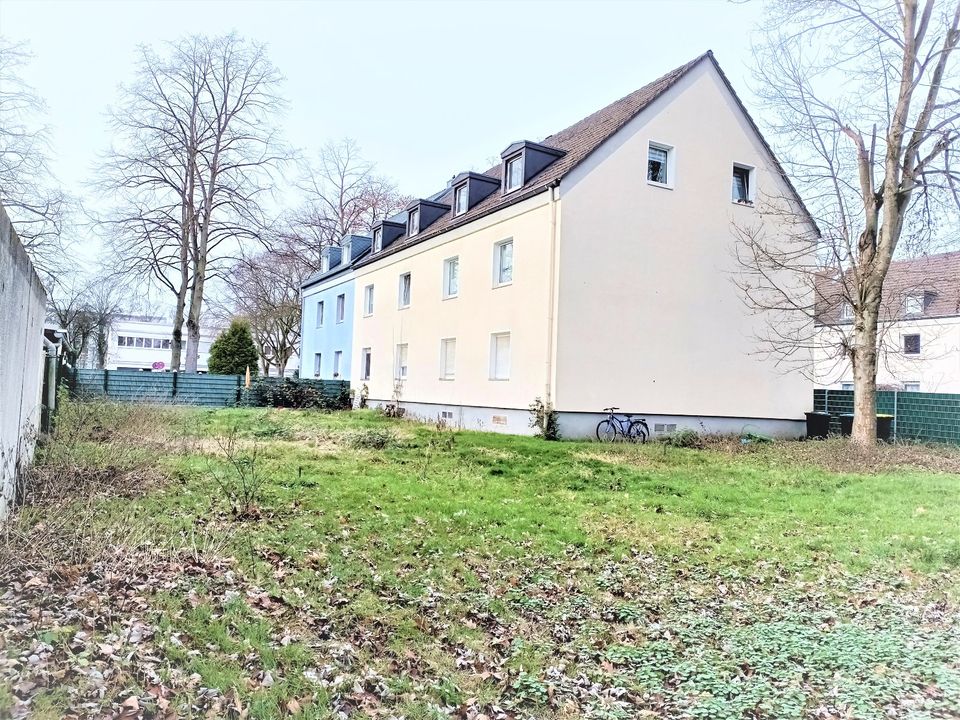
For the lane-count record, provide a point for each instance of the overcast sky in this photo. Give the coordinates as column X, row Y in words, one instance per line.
column 426, row 89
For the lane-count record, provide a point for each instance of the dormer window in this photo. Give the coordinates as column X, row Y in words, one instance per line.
column 378, row 239
column 514, row 173
column 413, row 222
column 914, row 304
column 325, row 262
column 345, row 253
column 460, row 199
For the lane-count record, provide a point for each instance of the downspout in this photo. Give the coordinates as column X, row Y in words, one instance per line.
column 50, row 402
column 554, row 190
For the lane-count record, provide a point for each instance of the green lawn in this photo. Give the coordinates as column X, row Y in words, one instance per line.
column 398, row 570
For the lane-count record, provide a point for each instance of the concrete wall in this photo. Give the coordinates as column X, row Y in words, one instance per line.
column 649, row 318
column 22, row 311
column 936, row 369
column 332, row 336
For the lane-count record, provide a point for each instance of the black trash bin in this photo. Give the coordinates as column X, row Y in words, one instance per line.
column 818, row 425
column 846, row 424
column 884, row 427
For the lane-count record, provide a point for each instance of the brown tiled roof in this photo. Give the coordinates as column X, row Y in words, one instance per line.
column 577, row 141
column 935, row 276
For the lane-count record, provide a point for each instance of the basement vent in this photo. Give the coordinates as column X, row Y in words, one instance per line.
column 446, row 414
column 498, row 419
column 664, row 427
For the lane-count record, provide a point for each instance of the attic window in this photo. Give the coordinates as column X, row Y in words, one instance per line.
column 413, row 223
column 914, row 304
column 345, row 254
column 378, row 240
column 514, row 173
column 460, row 199
column 742, row 184
column 659, row 164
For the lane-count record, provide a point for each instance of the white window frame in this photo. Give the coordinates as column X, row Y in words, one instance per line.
column 401, row 363
column 448, row 368
column 337, row 362
column 497, row 254
column 413, row 222
column 368, row 301
column 317, row 364
column 751, row 183
column 345, row 253
column 846, row 386
column 914, row 386
column 460, row 191
column 914, row 297
column 510, row 162
column 400, row 301
column 496, row 372
column 320, row 309
column 846, row 311
column 447, row 265
column 365, row 363
column 341, row 307
column 671, row 152
column 378, row 239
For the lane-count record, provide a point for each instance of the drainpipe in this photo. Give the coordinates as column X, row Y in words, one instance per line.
column 50, row 402
column 554, row 190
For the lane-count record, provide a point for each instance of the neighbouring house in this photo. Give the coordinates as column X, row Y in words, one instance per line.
column 328, row 311
column 142, row 342
column 592, row 268
column 919, row 329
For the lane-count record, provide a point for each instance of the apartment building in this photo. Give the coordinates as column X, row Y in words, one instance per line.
column 590, row 269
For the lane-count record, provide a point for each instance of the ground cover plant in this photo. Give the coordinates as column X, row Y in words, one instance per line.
column 270, row 563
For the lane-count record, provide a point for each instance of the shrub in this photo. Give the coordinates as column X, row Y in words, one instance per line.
column 298, row 394
column 685, row 438
column 372, row 439
column 545, row 418
column 233, row 351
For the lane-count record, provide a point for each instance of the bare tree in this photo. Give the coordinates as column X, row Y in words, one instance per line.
column 344, row 195
column 27, row 187
column 864, row 100
column 85, row 309
column 197, row 143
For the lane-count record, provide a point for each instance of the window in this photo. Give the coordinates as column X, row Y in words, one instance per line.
column 911, row 344
column 742, row 184
column 121, row 340
column 365, row 364
column 846, row 311
column 320, row 313
column 460, row 200
column 914, row 305
column 157, row 343
column 911, row 387
column 316, row 364
column 658, row 164
column 503, row 263
column 404, row 299
column 514, row 173
column 451, row 277
column 500, row 356
column 368, row 300
column 401, row 369
column 413, row 223
column 345, row 253
column 139, row 342
column 378, row 240
column 448, row 358
column 341, row 307
column 337, row 359
column 165, row 345
column 846, row 386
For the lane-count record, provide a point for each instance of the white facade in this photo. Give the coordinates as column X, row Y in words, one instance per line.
column 143, row 343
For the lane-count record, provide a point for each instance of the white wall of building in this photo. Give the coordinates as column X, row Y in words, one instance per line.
column 151, row 345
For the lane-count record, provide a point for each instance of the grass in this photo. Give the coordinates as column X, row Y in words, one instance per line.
column 402, row 570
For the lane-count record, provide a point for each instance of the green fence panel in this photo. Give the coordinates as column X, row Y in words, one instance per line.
column 921, row 416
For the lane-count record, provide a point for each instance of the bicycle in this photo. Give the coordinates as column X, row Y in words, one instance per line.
column 626, row 427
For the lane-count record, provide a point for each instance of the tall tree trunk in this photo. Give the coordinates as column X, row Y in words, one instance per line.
column 865, row 380
column 193, row 316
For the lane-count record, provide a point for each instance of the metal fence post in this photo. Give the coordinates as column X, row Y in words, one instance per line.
column 173, row 390
column 106, row 383
column 896, row 395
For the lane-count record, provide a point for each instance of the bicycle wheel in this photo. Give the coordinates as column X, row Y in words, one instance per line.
column 606, row 431
column 638, row 431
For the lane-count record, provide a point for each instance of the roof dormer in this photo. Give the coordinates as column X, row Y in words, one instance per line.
column 524, row 160
column 353, row 247
column 330, row 257
column 421, row 214
column 386, row 232
column 469, row 188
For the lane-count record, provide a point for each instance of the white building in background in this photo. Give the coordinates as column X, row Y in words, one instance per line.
column 142, row 342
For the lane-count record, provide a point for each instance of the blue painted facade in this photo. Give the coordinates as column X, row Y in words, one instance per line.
column 325, row 343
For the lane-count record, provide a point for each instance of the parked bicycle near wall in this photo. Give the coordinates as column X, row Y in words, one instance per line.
column 622, row 428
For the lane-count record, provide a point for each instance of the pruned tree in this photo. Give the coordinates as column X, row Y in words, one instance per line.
column 85, row 309
column 265, row 290
column 28, row 188
column 863, row 100
column 344, row 195
column 197, row 144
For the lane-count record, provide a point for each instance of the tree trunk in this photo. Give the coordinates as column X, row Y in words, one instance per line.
column 193, row 318
column 865, row 378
